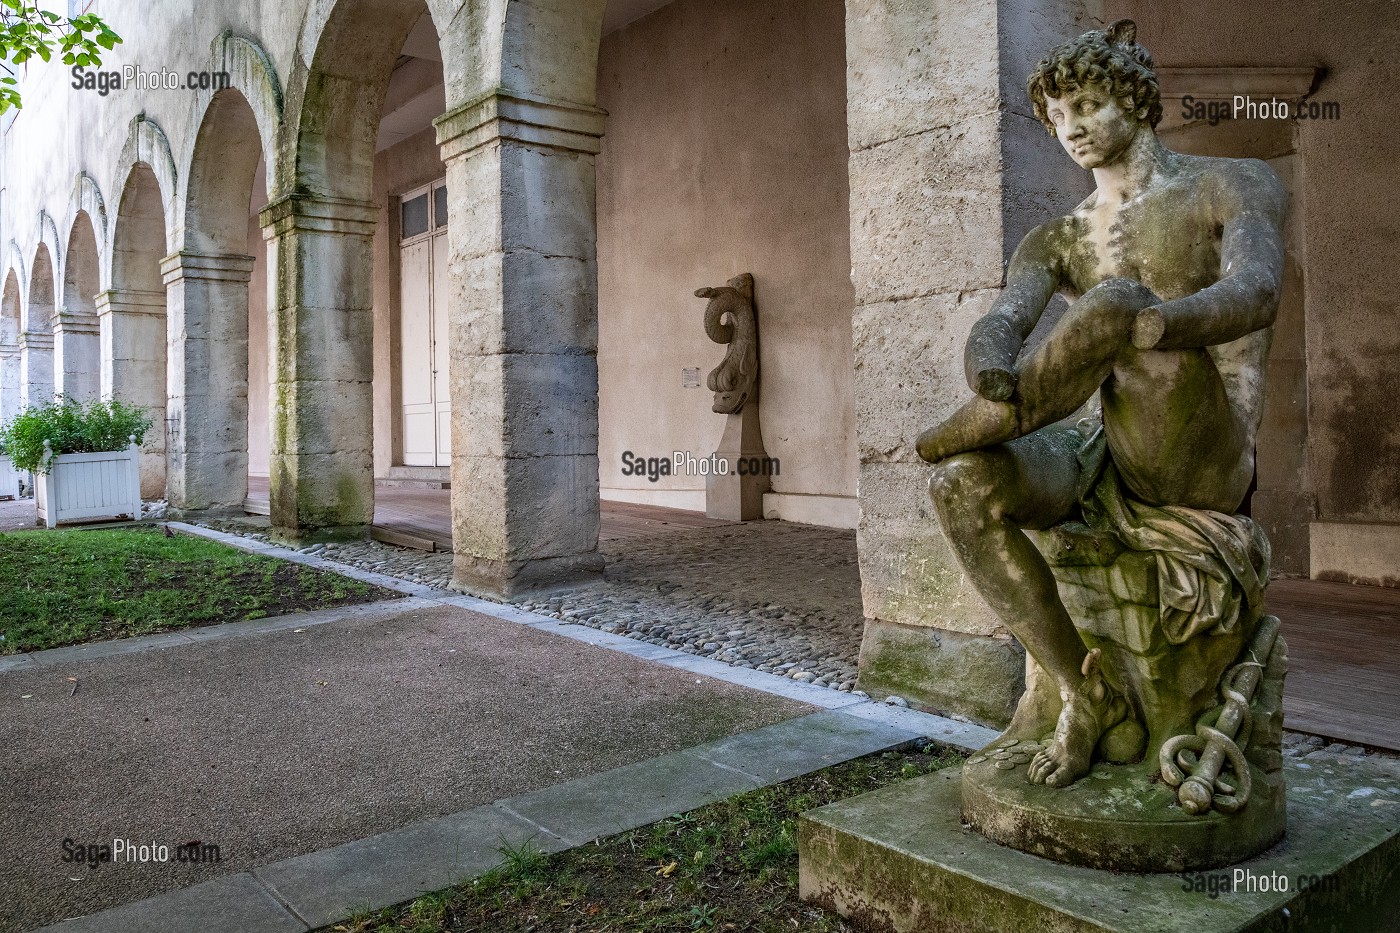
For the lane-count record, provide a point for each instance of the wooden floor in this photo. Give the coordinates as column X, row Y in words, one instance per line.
column 1343, row 641
column 1344, row 659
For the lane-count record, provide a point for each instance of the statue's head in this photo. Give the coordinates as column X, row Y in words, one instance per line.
column 1096, row 93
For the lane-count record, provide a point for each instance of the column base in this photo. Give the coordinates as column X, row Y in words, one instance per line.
column 900, row 860
column 971, row 675
column 499, row 579
column 299, row 537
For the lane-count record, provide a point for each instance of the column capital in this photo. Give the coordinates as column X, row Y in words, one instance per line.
column 317, row 214
column 217, row 267
column 74, row 322
column 535, row 121
column 35, row 340
column 130, row 301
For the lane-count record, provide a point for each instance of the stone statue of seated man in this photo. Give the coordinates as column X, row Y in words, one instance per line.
column 1173, row 268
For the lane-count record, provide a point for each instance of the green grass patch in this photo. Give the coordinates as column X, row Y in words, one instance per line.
column 730, row 866
column 70, row 587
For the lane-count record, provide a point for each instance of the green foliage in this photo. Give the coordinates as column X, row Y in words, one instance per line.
column 71, row 428
column 28, row 32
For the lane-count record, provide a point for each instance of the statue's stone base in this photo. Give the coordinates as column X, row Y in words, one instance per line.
column 899, row 860
column 1072, row 825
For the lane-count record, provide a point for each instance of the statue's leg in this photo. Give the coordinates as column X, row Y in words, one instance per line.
column 1055, row 379
column 984, row 498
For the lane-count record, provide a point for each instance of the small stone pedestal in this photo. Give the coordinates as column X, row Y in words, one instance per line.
column 899, row 860
column 738, row 494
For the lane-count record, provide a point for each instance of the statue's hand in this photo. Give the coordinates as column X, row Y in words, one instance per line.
column 995, row 383
column 1149, row 327
column 925, row 446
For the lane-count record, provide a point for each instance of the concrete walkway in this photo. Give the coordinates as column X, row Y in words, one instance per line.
column 355, row 758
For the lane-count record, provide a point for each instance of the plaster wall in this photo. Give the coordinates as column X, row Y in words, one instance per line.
column 725, row 152
column 1349, row 219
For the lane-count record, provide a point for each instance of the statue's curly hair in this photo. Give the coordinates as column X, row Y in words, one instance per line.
column 1109, row 57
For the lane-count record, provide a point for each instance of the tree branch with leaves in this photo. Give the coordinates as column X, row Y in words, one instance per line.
column 27, row 32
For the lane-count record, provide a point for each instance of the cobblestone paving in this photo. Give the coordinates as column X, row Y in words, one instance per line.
column 778, row 597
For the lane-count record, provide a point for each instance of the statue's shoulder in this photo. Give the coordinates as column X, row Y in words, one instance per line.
column 1236, row 184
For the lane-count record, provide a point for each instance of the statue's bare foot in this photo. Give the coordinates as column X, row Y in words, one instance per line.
column 1092, row 709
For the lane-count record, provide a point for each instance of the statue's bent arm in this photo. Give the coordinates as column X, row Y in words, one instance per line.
column 996, row 339
column 1246, row 297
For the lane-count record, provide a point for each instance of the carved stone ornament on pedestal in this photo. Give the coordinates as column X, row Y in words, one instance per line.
column 1148, row 738
column 732, row 319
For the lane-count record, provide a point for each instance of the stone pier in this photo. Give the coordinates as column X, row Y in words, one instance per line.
column 207, row 295
column 322, row 472
column 524, row 337
column 76, row 355
column 131, row 329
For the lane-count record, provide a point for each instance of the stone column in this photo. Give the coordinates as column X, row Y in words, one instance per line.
column 76, row 356
column 36, row 368
column 524, row 337
column 9, row 382
column 131, row 330
column 207, row 376
column 320, row 360
column 949, row 169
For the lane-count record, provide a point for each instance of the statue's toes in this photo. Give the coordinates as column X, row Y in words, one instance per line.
column 1041, row 767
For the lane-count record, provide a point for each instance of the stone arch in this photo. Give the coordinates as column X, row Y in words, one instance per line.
column 77, row 355
column 38, row 310
column 45, row 295
column 88, row 206
column 549, row 49
column 9, row 311
column 18, row 268
column 347, row 53
column 132, row 312
column 36, row 339
column 208, row 285
column 10, row 301
column 146, row 144
column 253, row 78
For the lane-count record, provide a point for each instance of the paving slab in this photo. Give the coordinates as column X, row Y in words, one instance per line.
column 330, row 885
column 288, row 742
column 802, row 745
column 626, row 798
column 238, row 902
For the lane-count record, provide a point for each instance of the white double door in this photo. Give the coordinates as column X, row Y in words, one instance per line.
column 427, row 410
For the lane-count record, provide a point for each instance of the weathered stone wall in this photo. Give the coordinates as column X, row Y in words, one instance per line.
column 1349, row 220
column 725, row 152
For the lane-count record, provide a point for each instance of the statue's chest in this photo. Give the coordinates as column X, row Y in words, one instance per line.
column 1167, row 242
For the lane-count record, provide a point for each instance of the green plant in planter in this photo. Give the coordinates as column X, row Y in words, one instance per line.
column 71, row 427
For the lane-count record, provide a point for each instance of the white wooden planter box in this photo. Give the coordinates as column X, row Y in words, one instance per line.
column 79, row 486
column 9, row 479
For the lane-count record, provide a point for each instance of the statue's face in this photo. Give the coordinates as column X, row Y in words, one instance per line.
column 1094, row 127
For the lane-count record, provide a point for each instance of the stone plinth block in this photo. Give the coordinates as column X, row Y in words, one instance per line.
column 899, row 860
column 1116, row 817
column 734, row 495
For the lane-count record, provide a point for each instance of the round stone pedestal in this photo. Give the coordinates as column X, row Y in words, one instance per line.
column 1117, row 817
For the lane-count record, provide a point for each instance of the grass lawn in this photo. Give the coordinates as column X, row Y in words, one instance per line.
column 731, row 866
column 70, row 587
